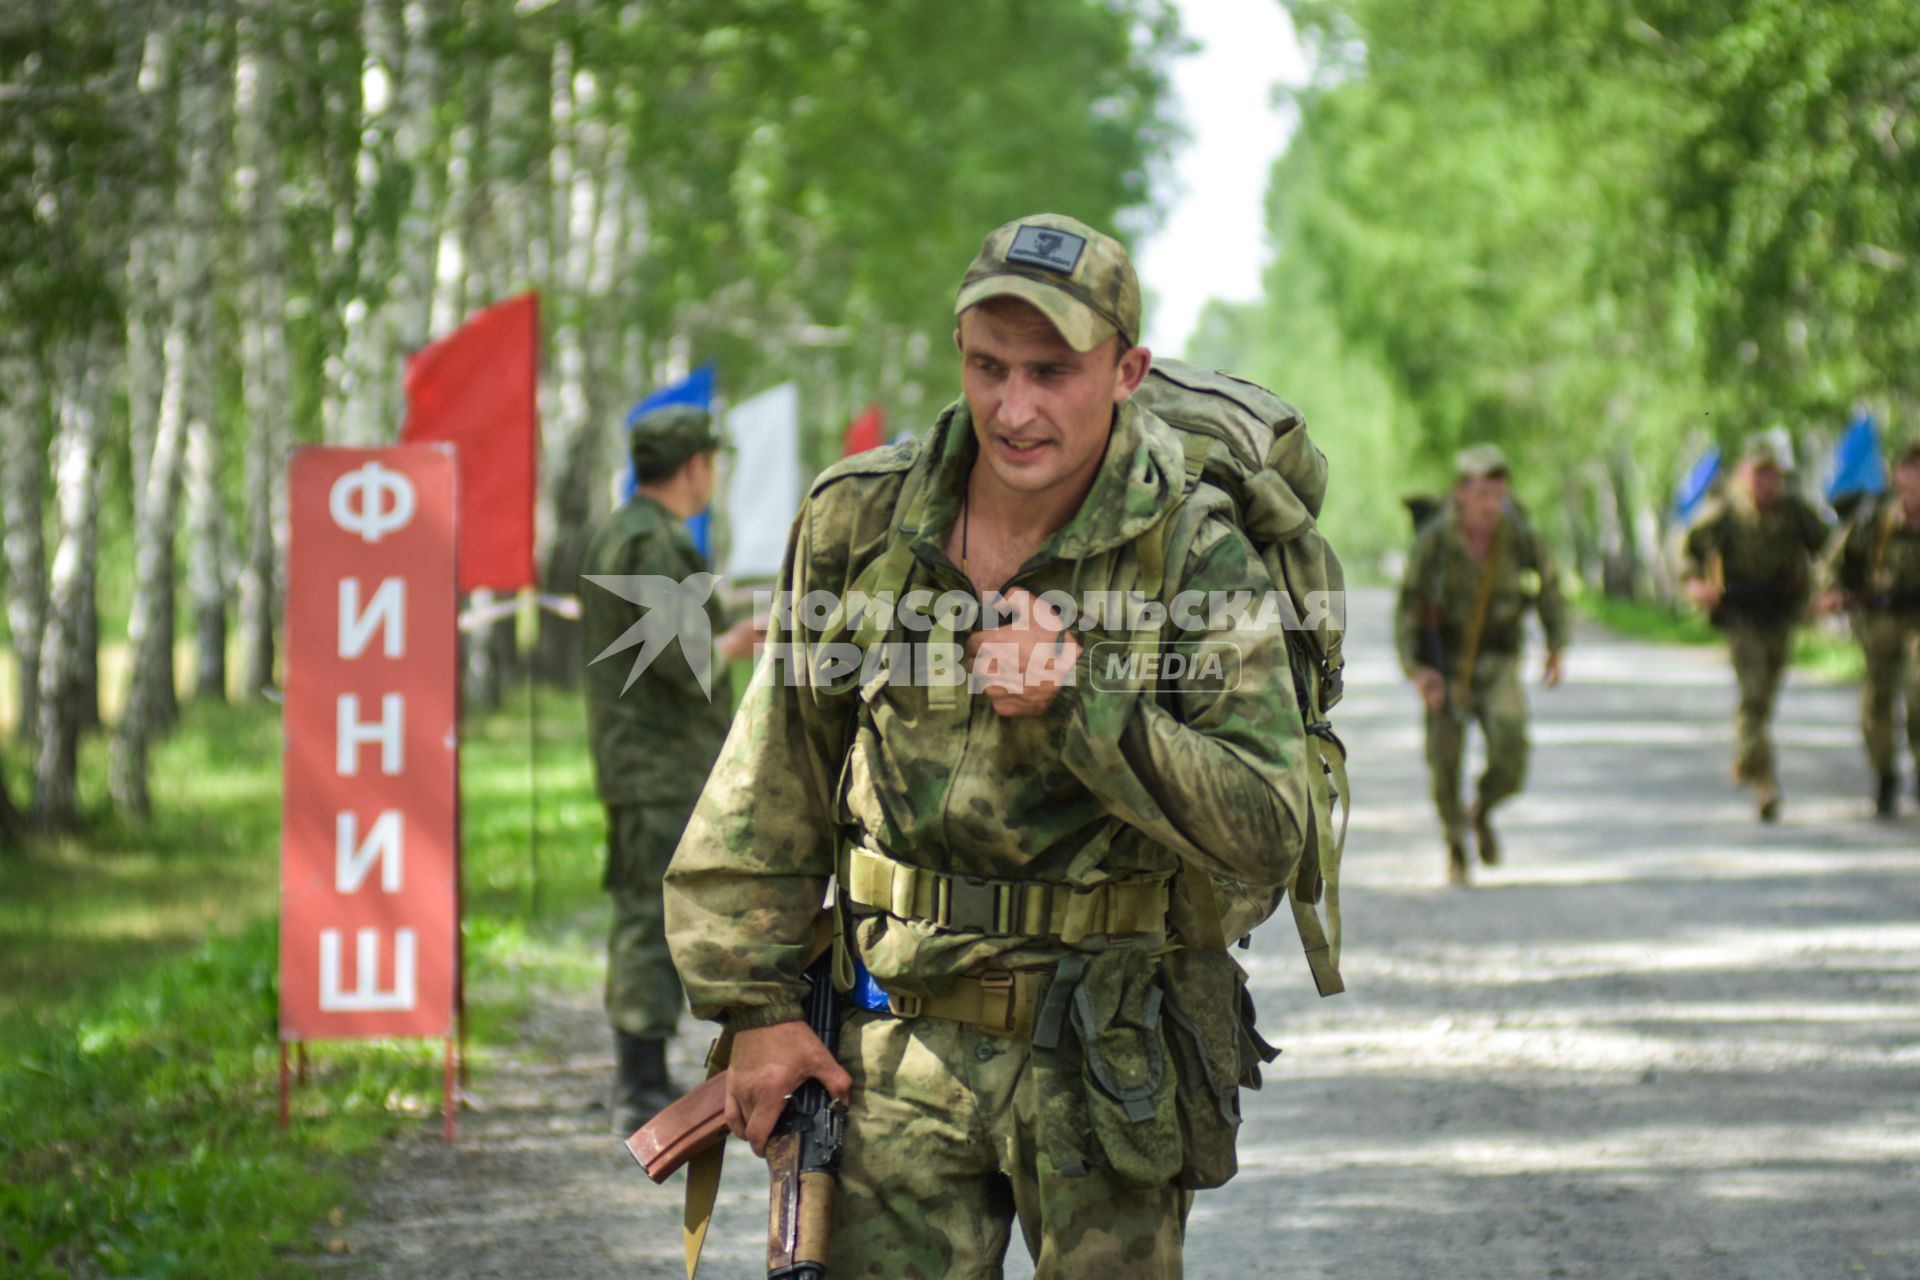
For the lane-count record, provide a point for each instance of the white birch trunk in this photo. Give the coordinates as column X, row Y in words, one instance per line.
column 577, row 146
column 150, row 626
column 63, row 669
column 264, row 365
column 23, row 439
column 363, row 376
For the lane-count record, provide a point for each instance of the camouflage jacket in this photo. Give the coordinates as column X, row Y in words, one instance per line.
column 1763, row 561
column 655, row 742
column 1876, row 559
column 1109, row 783
column 1442, row 585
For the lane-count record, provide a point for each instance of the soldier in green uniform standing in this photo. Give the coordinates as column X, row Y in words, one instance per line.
column 1748, row 561
column 1873, row 568
column 1012, row 858
column 1476, row 569
column 653, row 742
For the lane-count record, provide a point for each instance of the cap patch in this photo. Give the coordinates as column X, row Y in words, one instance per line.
column 1047, row 247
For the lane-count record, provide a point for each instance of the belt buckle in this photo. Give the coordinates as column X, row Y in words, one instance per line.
column 970, row 904
column 903, row 1006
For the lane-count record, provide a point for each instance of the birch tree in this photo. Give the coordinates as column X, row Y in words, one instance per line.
column 184, row 285
column 63, row 713
column 265, row 385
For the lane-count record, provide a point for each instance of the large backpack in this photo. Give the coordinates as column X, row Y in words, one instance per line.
column 1253, row 447
column 1248, row 458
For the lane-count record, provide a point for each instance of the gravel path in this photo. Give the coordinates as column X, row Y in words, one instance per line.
column 1661, row 1042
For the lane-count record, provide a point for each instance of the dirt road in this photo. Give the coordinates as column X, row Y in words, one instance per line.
column 1662, row 1042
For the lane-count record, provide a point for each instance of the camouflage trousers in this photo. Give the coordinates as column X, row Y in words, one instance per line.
column 643, row 988
column 1759, row 656
column 942, row 1159
column 1892, row 648
column 1494, row 700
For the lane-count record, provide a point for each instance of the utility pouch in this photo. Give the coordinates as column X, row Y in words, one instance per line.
column 1130, row 1085
column 1215, row 1052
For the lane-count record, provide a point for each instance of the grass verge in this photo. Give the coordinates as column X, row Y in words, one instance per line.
column 138, row 1114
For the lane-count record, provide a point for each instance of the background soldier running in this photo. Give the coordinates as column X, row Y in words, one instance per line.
column 1874, row 570
column 1477, row 566
column 1748, row 562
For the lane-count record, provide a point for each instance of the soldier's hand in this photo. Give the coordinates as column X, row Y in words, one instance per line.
column 767, row 1065
column 738, row 640
column 1550, row 674
column 1703, row 593
column 1022, row 665
column 1432, row 686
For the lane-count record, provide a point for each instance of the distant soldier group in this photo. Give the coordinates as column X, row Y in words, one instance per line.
column 1753, row 561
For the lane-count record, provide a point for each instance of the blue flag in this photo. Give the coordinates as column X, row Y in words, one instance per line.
column 1693, row 488
column 695, row 389
column 1857, row 464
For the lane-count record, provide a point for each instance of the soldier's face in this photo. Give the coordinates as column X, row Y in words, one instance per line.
column 1480, row 499
column 1906, row 482
column 1041, row 410
column 1763, row 482
column 702, row 472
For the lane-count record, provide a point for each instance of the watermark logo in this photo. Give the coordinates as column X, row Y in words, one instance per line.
column 675, row 611
column 1196, row 640
column 1123, row 665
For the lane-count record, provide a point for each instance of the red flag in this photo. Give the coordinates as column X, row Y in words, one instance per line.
column 475, row 388
column 868, row 431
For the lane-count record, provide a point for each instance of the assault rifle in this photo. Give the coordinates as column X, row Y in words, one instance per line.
column 803, row 1154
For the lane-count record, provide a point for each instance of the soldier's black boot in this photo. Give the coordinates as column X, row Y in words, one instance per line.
column 1484, row 835
column 640, row 1084
column 1457, row 859
column 1886, row 798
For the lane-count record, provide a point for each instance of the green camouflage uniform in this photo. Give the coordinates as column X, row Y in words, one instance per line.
column 1763, row 563
column 652, row 748
column 1876, row 563
column 955, row 1131
column 1432, row 621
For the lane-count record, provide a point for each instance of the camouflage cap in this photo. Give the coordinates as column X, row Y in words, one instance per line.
column 1079, row 279
column 1478, row 461
column 1760, row 449
column 669, row 435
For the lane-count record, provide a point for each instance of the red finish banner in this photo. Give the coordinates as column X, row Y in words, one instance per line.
column 369, row 837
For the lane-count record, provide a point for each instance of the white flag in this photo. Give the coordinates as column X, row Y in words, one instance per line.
column 763, row 493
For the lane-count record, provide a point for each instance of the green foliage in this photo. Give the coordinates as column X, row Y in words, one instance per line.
column 138, row 1113
column 1598, row 234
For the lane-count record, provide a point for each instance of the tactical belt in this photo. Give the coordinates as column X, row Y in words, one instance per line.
column 1022, row 908
column 1002, row 1002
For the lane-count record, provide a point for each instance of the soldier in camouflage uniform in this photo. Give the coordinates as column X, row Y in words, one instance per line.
column 653, row 743
column 1873, row 568
column 1476, row 568
column 1748, row 561
column 997, row 844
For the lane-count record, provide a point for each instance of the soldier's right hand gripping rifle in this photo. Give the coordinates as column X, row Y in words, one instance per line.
column 803, row 1152
column 803, row 1155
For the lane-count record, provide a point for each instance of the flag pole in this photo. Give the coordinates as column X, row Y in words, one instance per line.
column 531, row 609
